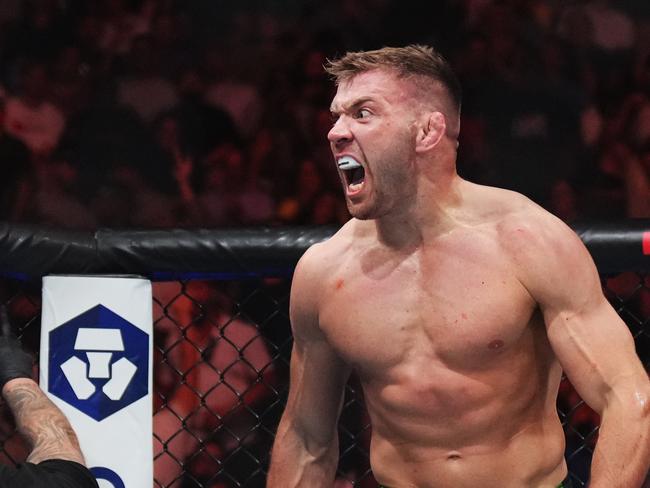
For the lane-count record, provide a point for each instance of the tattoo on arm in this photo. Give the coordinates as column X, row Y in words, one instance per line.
column 43, row 425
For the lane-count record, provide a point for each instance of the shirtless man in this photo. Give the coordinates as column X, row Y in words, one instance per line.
column 458, row 306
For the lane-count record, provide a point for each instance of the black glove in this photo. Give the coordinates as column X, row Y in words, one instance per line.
column 14, row 362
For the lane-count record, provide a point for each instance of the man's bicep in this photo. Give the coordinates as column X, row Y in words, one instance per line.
column 317, row 373
column 317, row 382
column 592, row 343
column 595, row 349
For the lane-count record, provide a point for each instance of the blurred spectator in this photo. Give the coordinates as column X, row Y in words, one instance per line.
column 477, row 78
column 299, row 205
column 637, row 184
column 563, row 201
column 202, row 127
column 329, row 210
column 256, row 205
column 631, row 122
column 169, row 42
column 37, row 33
column 521, row 119
column 611, row 28
column 227, row 371
column 120, row 25
column 96, row 63
column 209, row 190
column 15, row 166
column 56, row 201
column 604, row 195
column 143, row 88
column 30, row 116
column 126, row 199
column 230, row 90
column 105, row 135
column 70, row 81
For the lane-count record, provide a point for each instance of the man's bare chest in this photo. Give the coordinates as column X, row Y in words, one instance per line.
column 461, row 311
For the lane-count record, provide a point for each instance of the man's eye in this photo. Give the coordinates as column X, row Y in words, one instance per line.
column 362, row 113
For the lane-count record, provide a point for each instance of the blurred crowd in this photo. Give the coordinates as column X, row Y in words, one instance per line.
column 144, row 113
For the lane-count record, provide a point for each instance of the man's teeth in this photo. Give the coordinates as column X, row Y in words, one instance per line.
column 347, row 163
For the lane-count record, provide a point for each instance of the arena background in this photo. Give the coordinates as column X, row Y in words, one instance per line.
column 208, row 114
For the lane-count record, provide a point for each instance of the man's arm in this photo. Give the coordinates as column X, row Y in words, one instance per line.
column 305, row 452
column 41, row 423
column 594, row 347
column 54, row 450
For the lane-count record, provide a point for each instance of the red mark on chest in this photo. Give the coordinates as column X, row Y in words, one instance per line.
column 339, row 284
column 464, row 315
column 496, row 344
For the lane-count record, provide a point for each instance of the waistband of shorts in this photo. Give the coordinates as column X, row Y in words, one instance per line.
column 567, row 483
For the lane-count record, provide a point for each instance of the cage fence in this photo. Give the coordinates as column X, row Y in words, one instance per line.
column 221, row 365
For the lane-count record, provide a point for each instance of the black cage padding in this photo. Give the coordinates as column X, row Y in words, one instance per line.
column 31, row 251
column 28, row 251
column 617, row 246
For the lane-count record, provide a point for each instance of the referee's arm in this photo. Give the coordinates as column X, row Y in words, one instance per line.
column 55, row 459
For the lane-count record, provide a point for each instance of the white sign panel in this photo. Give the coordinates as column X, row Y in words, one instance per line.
column 96, row 366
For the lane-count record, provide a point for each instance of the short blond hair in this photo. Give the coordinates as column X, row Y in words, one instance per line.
column 407, row 61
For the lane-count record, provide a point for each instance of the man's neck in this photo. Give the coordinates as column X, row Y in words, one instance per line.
column 430, row 214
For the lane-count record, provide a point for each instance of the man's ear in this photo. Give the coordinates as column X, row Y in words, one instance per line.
column 431, row 131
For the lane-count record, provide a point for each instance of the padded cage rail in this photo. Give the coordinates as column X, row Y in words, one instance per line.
column 223, row 341
column 30, row 251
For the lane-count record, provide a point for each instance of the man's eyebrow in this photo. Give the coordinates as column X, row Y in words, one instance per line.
column 351, row 105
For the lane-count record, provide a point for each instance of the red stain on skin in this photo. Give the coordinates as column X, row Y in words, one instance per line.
column 496, row 344
column 464, row 315
column 339, row 284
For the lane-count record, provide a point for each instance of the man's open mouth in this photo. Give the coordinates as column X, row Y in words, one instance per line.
column 352, row 170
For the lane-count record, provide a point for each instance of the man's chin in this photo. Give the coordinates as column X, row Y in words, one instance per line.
column 361, row 213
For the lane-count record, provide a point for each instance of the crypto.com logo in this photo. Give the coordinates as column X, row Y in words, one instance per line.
column 98, row 362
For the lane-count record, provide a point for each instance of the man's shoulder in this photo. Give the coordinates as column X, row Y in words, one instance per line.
column 532, row 237
column 521, row 227
column 530, row 225
column 315, row 267
column 490, row 204
column 507, row 210
column 322, row 257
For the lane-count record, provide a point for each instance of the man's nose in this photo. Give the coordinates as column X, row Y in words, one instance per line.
column 339, row 133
